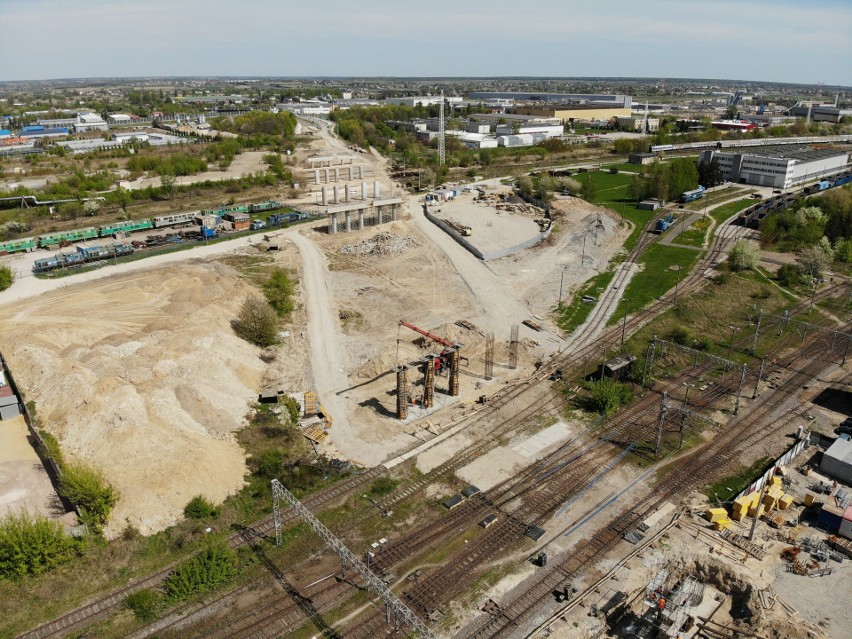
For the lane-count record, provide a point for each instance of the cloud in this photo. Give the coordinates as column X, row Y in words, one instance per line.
column 776, row 40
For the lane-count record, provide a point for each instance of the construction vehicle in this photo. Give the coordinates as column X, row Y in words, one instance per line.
column 461, row 229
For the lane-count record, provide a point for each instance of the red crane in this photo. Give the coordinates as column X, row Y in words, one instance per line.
column 431, row 336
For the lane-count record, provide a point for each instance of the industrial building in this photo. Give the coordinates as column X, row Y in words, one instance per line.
column 38, row 131
column 733, row 125
column 635, row 123
column 837, row 460
column 568, row 113
column 423, row 100
column 816, row 112
column 606, row 100
column 120, row 119
column 90, row 122
column 780, row 167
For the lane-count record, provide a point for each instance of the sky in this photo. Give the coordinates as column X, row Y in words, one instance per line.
column 803, row 41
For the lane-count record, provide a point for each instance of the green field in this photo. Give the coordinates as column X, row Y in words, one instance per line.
column 656, row 277
column 623, row 166
column 694, row 233
column 571, row 316
column 612, row 193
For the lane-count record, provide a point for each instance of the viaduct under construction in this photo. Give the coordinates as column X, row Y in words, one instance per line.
column 449, row 359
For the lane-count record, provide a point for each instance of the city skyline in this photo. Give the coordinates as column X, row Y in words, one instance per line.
column 754, row 40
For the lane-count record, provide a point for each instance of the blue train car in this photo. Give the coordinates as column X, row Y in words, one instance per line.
column 664, row 223
column 690, row 196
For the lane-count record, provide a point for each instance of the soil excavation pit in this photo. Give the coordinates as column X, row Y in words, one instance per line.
column 492, row 230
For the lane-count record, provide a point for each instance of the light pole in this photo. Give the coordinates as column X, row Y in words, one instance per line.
column 561, row 280
column 623, row 324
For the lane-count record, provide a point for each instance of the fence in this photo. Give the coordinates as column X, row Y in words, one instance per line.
column 50, row 466
column 784, row 460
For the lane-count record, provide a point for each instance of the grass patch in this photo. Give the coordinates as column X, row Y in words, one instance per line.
column 611, row 192
column 726, row 488
column 656, row 278
column 568, row 318
column 623, row 166
column 727, row 210
column 694, row 234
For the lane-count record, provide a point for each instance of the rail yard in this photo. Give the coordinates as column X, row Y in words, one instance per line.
column 417, row 450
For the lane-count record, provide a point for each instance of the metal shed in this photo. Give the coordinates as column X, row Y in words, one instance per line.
column 470, row 491
column 453, row 501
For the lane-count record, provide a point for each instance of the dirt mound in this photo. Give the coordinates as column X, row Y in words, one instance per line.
column 383, row 243
column 142, row 376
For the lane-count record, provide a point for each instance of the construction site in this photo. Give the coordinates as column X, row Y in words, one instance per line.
column 465, row 488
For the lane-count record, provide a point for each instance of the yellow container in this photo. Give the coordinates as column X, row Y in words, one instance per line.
column 769, row 501
column 757, row 511
column 722, row 524
column 738, row 515
column 716, row 514
column 809, row 499
column 775, row 481
column 785, row 502
column 746, row 501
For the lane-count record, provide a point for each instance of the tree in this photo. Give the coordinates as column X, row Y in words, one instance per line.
column 813, row 260
column 167, row 182
column 7, row 277
column 588, row 188
column 741, row 257
column 789, row 275
column 606, row 396
column 257, row 322
column 91, row 207
column 123, row 198
column 279, row 291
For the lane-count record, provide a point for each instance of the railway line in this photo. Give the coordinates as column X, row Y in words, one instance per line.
column 761, row 421
column 97, row 609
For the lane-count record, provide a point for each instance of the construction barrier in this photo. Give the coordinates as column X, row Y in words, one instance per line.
column 784, row 460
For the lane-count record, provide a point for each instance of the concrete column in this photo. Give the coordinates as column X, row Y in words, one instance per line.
column 394, row 211
column 337, row 174
column 364, row 191
column 346, row 193
column 376, row 189
column 336, row 194
column 325, row 176
column 361, row 172
column 316, row 176
column 379, row 211
column 361, row 220
column 348, row 221
column 334, row 222
column 324, row 196
column 349, row 173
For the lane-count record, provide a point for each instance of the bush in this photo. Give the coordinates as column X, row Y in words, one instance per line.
column 257, row 322
column 6, row 277
column 383, row 486
column 789, row 275
column 199, row 508
column 680, row 336
column 87, row 487
column 279, row 292
column 269, row 464
column 145, row 604
column 293, row 409
column 606, row 396
column 208, row 569
column 31, row 545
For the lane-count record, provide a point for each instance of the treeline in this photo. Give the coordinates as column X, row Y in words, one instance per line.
column 281, row 124
column 176, row 164
column 824, row 222
column 665, row 181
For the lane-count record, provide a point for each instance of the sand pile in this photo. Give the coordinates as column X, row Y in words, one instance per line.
column 142, row 376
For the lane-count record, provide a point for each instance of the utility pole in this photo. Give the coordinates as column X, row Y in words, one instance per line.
column 623, row 324
column 561, row 280
column 731, row 343
column 757, row 332
column 676, row 268
column 664, row 407
column 583, row 257
column 441, row 136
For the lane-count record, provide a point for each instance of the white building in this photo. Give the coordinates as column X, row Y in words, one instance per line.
column 119, row 118
column 478, row 141
column 423, row 100
column 90, row 122
column 548, row 130
column 779, row 167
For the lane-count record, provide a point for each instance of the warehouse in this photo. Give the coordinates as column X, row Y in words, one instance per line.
column 119, row 119
column 569, row 113
column 781, row 167
column 422, row 100
column 90, row 122
column 609, row 100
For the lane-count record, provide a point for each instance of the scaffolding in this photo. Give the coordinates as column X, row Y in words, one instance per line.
column 394, row 608
column 428, row 381
column 455, row 370
column 401, row 392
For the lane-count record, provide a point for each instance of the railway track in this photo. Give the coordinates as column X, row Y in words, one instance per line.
column 97, row 609
column 753, row 426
